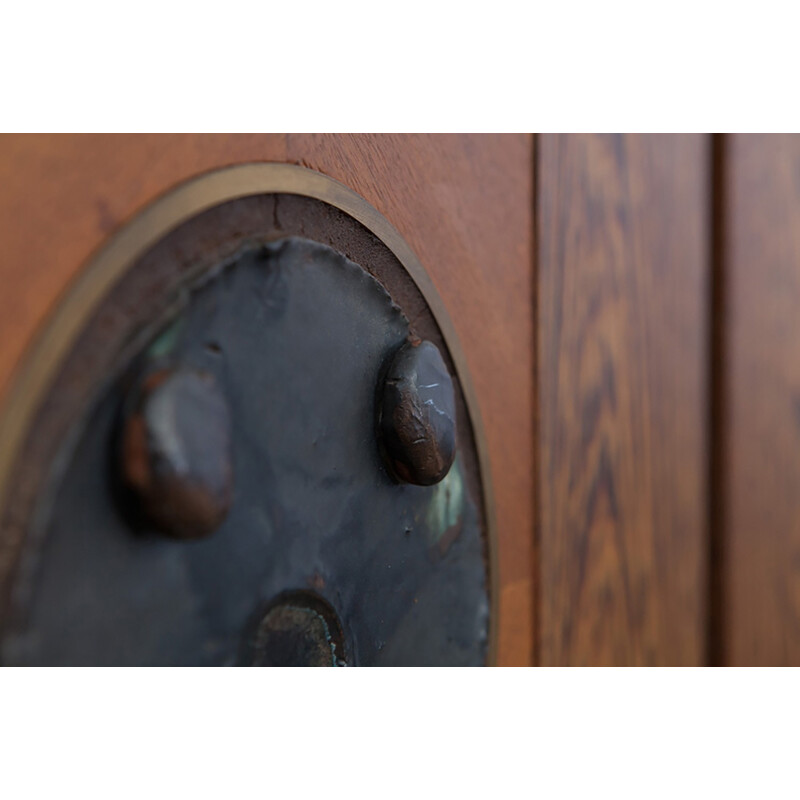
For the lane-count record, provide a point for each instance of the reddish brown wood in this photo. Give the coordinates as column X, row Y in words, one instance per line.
column 61, row 196
column 623, row 336
column 761, row 386
column 464, row 203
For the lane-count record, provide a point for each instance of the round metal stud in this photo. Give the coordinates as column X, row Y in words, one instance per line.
column 175, row 453
column 416, row 415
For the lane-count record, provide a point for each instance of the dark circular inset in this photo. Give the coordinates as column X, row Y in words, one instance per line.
column 299, row 629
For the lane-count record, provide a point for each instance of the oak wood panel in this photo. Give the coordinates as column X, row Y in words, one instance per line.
column 761, row 437
column 623, row 232
column 463, row 202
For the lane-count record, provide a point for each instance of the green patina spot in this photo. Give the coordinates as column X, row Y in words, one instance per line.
column 446, row 505
column 166, row 342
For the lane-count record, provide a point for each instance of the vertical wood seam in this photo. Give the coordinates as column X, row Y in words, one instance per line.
column 536, row 588
column 717, row 406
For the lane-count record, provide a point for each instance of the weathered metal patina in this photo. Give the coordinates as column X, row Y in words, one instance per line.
column 291, row 337
column 225, row 470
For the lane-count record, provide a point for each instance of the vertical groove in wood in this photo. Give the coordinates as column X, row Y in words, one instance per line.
column 718, row 412
column 762, row 390
column 536, row 572
column 623, row 273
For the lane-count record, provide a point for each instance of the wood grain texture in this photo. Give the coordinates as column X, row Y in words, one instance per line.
column 761, row 479
column 623, row 260
column 463, row 203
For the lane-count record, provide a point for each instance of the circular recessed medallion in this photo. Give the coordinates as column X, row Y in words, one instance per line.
column 197, row 437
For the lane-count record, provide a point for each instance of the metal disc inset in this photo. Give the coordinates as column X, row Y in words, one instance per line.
column 295, row 337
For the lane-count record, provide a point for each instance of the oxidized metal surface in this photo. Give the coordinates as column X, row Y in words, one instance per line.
column 299, row 630
column 417, row 415
column 174, row 452
column 92, row 341
column 316, row 554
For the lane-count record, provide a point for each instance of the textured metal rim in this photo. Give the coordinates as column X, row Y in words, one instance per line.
column 160, row 217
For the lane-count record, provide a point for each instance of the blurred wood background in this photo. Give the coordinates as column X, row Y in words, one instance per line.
column 629, row 306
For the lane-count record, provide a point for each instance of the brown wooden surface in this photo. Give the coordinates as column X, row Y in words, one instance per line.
column 464, row 203
column 623, row 260
column 761, row 388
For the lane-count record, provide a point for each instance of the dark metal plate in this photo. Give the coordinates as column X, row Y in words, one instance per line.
column 382, row 572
